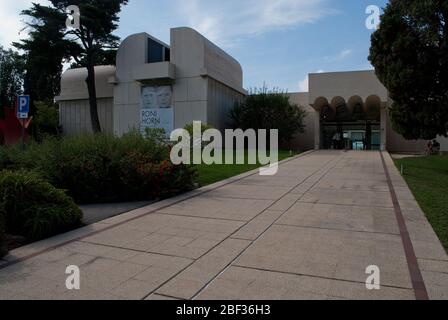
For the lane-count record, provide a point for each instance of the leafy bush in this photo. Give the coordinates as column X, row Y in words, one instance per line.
column 3, row 244
column 104, row 168
column 265, row 109
column 33, row 208
column 45, row 121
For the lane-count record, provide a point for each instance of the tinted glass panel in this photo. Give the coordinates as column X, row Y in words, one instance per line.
column 167, row 54
column 155, row 51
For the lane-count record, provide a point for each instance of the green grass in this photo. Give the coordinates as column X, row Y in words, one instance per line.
column 209, row 174
column 428, row 179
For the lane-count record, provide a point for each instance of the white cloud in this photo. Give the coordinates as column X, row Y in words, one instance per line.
column 344, row 54
column 226, row 22
column 11, row 22
column 339, row 56
column 304, row 84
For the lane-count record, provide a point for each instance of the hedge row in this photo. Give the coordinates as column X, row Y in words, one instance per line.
column 104, row 168
column 3, row 244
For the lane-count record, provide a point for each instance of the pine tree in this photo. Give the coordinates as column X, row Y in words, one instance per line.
column 11, row 77
column 91, row 43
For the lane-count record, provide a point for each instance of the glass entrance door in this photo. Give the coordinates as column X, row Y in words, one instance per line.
column 359, row 135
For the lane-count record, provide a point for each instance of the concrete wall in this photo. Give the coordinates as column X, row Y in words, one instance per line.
column 221, row 100
column 74, row 108
column 304, row 141
column 208, row 80
column 443, row 144
column 190, row 87
column 132, row 55
column 346, row 85
column 74, row 116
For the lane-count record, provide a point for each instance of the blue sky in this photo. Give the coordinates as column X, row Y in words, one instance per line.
column 276, row 41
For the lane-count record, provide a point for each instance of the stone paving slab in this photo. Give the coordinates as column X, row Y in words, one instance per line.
column 341, row 217
column 257, row 226
column 273, row 182
column 307, row 233
column 331, row 254
column 219, row 208
column 189, row 282
column 348, row 197
column 242, row 283
column 188, row 237
column 236, row 191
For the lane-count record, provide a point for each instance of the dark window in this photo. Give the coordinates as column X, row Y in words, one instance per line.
column 155, row 51
column 167, row 54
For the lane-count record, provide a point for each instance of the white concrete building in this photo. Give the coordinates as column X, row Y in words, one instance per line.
column 170, row 86
column 199, row 80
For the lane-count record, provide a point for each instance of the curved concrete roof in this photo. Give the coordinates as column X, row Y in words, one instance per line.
column 132, row 55
column 74, row 87
column 194, row 52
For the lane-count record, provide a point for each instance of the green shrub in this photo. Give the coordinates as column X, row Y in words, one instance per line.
column 3, row 244
column 35, row 209
column 45, row 121
column 104, row 168
column 265, row 109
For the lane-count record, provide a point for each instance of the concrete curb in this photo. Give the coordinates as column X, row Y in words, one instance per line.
column 413, row 213
column 431, row 257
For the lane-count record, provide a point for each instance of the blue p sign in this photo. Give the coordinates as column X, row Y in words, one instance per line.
column 24, row 104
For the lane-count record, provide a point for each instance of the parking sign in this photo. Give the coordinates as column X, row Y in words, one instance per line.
column 23, row 107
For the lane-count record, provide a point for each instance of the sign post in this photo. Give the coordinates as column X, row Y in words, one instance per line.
column 23, row 109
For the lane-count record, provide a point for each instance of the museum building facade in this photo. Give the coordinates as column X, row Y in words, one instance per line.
column 156, row 85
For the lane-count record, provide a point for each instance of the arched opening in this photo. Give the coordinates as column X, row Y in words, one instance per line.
column 323, row 107
column 340, row 106
column 319, row 103
column 373, row 108
column 356, row 108
column 353, row 124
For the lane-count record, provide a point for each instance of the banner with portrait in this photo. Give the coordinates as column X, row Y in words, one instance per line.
column 157, row 108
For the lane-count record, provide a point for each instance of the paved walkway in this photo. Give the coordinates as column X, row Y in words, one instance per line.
column 307, row 233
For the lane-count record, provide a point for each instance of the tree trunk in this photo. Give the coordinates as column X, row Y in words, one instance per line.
column 96, row 126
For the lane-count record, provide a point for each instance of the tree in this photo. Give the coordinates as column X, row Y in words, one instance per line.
column 91, row 42
column 264, row 109
column 11, row 77
column 410, row 54
column 104, row 58
column 45, row 51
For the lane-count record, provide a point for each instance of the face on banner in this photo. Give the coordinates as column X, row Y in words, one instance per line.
column 164, row 97
column 156, row 109
column 157, row 97
column 149, row 98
